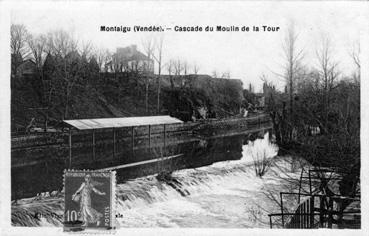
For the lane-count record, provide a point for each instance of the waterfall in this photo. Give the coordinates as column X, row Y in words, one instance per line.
column 204, row 180
column 145, row 201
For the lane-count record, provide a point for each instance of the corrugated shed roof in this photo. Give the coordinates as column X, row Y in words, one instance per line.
column 102, row 123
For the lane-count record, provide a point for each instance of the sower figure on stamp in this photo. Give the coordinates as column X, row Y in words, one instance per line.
column 83, row 194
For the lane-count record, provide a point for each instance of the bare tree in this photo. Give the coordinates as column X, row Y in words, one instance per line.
column 328, row 74
column 178, row 67
column 355, row 55
column 185, row 80
column 37, row 46
column 61, row 45
column 185, row 67
column 18, row 45
column 102, row 58
column 148, row 45
column 18, row 39
column 293, row 57
column 86, row 50
column 158, row 58
column 170, row 69
column 170, row 66
column 196, row 68
column 108, row 58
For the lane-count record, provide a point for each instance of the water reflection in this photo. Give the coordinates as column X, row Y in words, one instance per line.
column 44, row 173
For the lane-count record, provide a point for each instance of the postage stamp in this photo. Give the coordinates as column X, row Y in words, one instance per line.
column 89, row 200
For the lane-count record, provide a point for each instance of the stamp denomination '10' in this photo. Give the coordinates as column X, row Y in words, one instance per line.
column 89, row 200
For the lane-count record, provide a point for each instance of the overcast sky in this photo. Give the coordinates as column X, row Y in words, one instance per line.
column 246, row 55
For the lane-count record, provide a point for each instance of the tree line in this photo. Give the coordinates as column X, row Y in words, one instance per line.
column 318, row 114
column 67, row 67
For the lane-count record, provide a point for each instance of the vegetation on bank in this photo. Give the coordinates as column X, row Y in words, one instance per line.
column 55, row 77
column 318, row 115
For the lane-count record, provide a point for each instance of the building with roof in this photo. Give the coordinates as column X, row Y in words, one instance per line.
column 129, row 59
column 116, row 123
column 27, row 68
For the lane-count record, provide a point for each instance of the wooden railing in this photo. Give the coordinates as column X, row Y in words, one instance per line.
column 317, row 210
column 304, row 216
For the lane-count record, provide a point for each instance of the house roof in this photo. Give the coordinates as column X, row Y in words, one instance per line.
column 130, row 53
column 27, row 67
column 139, row 56
column 28, row 61
column 85, row 124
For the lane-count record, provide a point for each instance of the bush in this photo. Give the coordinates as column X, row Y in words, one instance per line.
column 262, row 151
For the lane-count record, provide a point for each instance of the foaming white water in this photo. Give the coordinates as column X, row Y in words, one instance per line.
column 216, row 178
column 224, row 194
column 234, row 197
column 259, row 149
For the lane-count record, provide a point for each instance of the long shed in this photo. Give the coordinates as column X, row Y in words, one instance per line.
column 118, row 122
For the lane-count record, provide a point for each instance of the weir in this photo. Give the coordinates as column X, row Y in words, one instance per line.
column 140, row 163
column 219, row 172
column 142, row 152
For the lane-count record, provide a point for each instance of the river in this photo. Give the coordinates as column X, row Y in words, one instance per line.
column 220, row 192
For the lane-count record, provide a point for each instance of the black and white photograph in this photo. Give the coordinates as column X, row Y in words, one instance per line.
column 221, row 115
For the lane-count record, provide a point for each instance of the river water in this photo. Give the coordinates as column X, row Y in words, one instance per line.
column 226, row 193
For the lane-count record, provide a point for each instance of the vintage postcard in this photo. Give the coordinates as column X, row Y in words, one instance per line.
column 184, row 117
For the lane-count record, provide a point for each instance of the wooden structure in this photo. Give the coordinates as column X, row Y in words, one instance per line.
column 115, row 123
column 319, row 209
